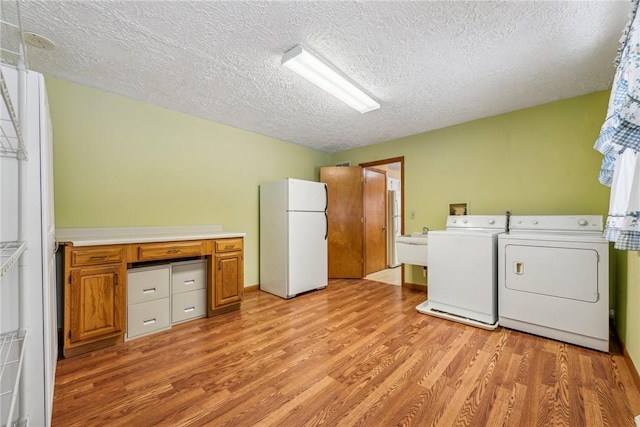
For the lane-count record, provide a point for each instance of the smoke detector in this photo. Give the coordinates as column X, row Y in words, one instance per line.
column 36, row 40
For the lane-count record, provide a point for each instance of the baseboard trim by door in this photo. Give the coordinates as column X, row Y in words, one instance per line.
column 414, row 287
column 252, row 288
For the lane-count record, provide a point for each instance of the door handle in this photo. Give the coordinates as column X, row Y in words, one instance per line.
column 326, row 221
column 518, row 268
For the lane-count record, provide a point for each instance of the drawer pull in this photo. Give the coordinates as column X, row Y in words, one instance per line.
column 148, row 291
column 189, row 309
column 229, row 247
column 149, row 322
column 97, row 257
column 189, row 282
column 173, row 251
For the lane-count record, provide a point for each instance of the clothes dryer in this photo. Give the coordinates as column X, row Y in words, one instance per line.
column 462, row 272
column 554, row 279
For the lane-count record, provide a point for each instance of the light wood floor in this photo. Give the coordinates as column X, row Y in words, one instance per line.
column 356, row 353
column 392, row 276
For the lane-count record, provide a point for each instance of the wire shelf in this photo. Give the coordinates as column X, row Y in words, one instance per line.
column 11, row 37
column 11, row 359
column 12, row 53
column 9, row 253
column 11, row 141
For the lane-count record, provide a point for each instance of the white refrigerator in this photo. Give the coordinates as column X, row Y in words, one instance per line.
column 293, row 237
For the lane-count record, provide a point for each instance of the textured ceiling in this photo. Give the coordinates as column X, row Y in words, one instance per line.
column 430, row 64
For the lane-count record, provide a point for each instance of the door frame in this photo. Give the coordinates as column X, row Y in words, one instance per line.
column 400, row 160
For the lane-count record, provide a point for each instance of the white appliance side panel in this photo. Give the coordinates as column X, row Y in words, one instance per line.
column 308, row 260
column 572, row 316
column 39, row 299
column 48, row 242
column 273, row 238
column 306, row 195
column 559, row 272
column 462, row 275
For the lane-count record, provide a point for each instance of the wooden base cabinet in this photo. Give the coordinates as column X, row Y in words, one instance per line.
column 228, row 275
column 94, row 298
column 95, row 291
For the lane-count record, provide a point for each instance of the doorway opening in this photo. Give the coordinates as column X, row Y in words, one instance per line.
column 387, row 215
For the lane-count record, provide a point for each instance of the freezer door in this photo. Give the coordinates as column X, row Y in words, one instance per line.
column 306, row 196
column 307, row 252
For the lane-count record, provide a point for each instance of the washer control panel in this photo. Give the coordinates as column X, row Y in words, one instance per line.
column 560, row 223
column 492, row 222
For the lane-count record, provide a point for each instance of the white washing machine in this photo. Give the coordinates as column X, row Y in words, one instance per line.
column 554, row 279
column 462, row 272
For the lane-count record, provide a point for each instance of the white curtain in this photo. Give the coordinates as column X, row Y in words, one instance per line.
column 619, row 142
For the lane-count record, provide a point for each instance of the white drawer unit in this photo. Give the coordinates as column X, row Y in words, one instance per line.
column 189, row 305
column 165, row 294
column 189, row 290
column 148, row 302
column 188, row 276
column 148, row 283
column 148, row 317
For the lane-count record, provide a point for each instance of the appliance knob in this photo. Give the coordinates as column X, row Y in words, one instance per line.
column 454, row 221
column 491, row 221
column 582, row 222
column 464, row 220
column 534, row 222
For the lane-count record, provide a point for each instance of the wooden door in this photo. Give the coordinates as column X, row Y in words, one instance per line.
column 96, row 308
column 375, row 214
column 345, row 214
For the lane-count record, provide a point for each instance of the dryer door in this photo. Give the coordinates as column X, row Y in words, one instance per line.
column 560, row 272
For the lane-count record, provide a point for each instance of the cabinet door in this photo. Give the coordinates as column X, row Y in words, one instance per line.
column 95, row 303
column 229, row 279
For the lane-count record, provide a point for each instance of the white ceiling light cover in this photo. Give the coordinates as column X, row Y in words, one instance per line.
column 326, row 77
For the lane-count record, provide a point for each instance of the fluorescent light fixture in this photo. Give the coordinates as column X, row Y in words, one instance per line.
column 326, row 77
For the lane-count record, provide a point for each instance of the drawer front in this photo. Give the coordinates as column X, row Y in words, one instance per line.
column 188, row 276
column 148, row 317
column 189, row 305
column 96, row 256
column 153, row 251
column 228, row 245
column 148, row 283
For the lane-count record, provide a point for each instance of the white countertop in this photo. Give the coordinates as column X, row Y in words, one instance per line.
column 122, row 235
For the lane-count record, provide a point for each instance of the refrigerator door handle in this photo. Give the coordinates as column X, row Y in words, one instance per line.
column 326, row 221
column 326, row 198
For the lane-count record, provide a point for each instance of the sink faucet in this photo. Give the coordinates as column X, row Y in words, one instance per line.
column 425, row 230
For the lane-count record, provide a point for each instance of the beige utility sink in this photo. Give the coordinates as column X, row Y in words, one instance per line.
column 412, row 249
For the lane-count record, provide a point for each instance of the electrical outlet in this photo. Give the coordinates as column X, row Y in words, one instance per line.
column 611, row 314
column 413, row 214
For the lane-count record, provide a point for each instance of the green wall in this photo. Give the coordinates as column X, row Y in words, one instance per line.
column 627, row 318
column 119, row 162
